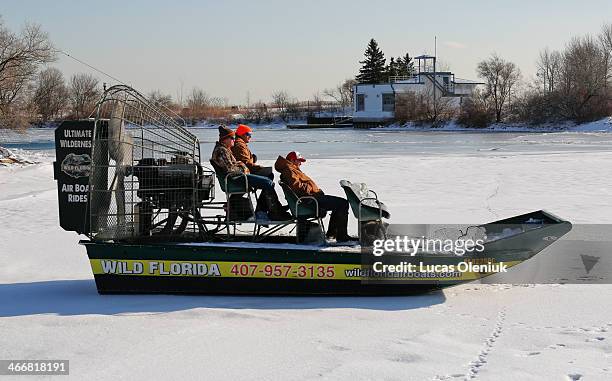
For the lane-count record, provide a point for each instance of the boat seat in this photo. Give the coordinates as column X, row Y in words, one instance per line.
column 364, row 202
column 304, row 209
column 235, row 185
column 300, row 207
column 239, row 208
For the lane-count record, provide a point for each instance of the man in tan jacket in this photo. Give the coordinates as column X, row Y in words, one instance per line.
column 226, row 164
column 302, row 185
column 243, row 154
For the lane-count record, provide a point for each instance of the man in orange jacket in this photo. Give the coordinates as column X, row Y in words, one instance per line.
column 302, row 185
column 225, row 163
column 243, row 154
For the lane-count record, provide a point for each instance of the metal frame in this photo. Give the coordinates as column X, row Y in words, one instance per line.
column 301, row 200
column 380, row 216
column 129, row 130
column 228, row 195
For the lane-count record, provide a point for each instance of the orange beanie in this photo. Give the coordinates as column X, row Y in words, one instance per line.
column 243, row 129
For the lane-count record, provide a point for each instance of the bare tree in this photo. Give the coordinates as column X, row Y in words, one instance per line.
column 475, row 112
column 576, row 82
column 20, row 57
column 342, row 93
column 281, row 100
column 605, row 40
column 584, row 74
column 419, row 107
column 198, row 99
column 501, row 77
column 605, row 37
column 159, row 98
column 258, row 112
column 549, row 68
column 83, row 94
column 51, row 94
column 197, row 102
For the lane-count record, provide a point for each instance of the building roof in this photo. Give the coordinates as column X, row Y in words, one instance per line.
column 467, row 81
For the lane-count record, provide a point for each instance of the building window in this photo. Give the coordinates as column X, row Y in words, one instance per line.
column 388, row 102
column 360, row 104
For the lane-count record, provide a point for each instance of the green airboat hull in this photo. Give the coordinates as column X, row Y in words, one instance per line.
column 282, row 268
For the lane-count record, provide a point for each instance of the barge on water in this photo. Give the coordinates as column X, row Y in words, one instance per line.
column 132, row 181
column 323, row 122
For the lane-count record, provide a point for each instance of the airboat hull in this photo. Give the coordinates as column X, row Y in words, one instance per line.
column 258, row 268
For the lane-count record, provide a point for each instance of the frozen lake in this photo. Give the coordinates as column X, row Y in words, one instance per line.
column 344, row 143
column 501, row 332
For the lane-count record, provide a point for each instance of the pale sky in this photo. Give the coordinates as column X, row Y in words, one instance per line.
column 231, row 48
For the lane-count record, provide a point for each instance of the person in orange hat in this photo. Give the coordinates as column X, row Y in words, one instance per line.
column 302, row 185
column 225, row 164
column 243, row 154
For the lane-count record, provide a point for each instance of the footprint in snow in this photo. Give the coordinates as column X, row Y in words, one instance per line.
column 529, row 354
column 574, row 376
column 406, row 358
column 339, row 348
column 557, row 346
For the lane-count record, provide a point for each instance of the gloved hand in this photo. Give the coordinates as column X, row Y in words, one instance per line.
column 254, row 158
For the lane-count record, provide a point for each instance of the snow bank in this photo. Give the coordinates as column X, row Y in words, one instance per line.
column 19, row 157
column 602, row 125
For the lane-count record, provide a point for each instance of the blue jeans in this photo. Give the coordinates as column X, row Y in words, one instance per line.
column 267, row 200
column 255, row 182
column 260, row 182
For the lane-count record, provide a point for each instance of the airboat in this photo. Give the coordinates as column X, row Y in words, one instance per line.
column 158, row 220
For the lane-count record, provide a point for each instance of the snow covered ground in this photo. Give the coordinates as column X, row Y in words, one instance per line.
column 50, row 308
column 602, row 125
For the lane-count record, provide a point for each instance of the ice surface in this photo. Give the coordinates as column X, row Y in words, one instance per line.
column 49, row 307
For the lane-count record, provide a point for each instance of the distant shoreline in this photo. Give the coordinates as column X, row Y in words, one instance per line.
column 602, row 125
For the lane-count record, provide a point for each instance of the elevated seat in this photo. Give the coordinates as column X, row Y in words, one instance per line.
column 235, row 187
column 364, row 202
column 229, row 184
column 300, row 207
column 303, row 209
column 368, row 211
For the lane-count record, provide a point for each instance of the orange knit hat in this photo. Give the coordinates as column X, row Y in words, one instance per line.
column 243, row 129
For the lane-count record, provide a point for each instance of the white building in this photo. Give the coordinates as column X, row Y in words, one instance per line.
column 375, row 103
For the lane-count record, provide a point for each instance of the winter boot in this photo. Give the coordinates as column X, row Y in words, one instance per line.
column 341, row 232
column 276, row 212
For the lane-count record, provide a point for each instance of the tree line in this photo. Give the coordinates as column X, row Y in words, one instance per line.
column 572, row 84
column 32, row 92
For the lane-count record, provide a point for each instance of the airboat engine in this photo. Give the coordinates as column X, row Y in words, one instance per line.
column 130, row 173
column 168, row 185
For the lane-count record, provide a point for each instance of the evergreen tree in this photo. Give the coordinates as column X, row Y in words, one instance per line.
column 400, row 66
column 409, row 65
column 373, row 68
column 405, row 65
column 392, row 68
